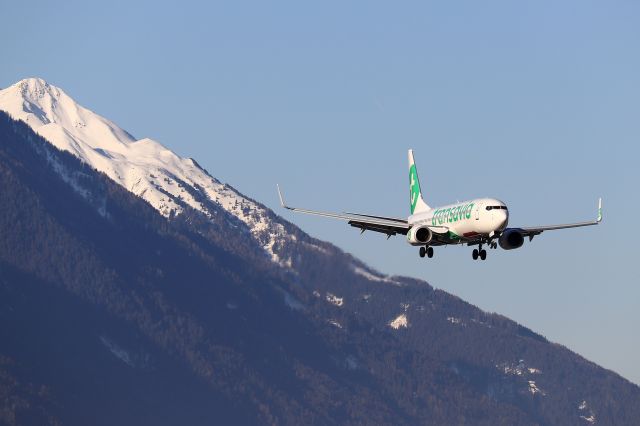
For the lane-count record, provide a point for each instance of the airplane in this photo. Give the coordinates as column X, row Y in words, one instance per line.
column 474, row 222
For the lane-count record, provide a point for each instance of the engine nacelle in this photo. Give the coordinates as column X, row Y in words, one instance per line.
column 511, row 239
column 419, row 235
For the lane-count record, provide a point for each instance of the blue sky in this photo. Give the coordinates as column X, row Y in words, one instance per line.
column 535, row 103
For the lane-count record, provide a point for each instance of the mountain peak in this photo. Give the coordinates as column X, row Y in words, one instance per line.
column 37, row 91
column 34, row 83
column 62, row 121
column 31, row 96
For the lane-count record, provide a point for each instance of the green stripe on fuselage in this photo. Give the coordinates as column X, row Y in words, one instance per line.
column 452, row 236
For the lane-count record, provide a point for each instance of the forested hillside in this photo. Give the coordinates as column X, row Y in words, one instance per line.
column 111, row 313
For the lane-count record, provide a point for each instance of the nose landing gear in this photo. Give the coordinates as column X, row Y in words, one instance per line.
column 426, row 250
column 479, row 252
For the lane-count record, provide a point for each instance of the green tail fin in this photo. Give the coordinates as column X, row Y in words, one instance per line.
column 416, row 202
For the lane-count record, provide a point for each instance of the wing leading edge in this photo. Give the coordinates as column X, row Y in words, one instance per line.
column 532, row 231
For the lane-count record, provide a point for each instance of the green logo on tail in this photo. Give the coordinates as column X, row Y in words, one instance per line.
column 414, row 189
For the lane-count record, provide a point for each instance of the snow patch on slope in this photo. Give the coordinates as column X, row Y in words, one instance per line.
column 586, row 413
column 399, row 321
column 117, row 351
column 519, row 369
column 454, row 320
column 335, row 323
column 373, row 277
column 534, row 389
column 334, row 300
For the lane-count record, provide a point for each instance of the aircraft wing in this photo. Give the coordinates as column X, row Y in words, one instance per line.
column 386, row 225
column 536, row 230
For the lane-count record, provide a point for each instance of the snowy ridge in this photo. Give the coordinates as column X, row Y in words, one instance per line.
column 144, row 167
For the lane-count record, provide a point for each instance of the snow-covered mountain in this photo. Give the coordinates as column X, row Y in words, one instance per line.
column 143, row 166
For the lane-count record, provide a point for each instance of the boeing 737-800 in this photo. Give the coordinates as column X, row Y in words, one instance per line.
column 475, row 222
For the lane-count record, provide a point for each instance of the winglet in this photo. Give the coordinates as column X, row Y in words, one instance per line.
column 599, row 210
column 281, row 198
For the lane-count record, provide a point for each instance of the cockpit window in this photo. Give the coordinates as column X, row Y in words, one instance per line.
column 496, row 207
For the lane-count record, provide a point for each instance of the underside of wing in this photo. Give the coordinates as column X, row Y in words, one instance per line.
column 389, row 230
column 386, row 225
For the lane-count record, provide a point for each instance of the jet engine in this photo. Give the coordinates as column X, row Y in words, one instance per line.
column 419, row 235
column 511, row 239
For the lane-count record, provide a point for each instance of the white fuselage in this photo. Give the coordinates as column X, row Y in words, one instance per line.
column 467, row 219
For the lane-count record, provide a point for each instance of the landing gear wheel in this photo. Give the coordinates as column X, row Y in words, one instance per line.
column 422, row 251
column 429, row 252
column 483, row 254
column 475, row 254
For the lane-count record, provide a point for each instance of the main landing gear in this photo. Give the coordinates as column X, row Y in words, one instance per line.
column 426, row 250
column 479, row 252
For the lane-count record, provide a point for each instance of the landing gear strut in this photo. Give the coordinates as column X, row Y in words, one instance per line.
column 479, row 252
column 426, row 250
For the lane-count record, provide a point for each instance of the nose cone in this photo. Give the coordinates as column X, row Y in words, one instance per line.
column 501, row 219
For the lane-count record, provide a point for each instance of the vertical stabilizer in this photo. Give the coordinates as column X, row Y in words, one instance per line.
column 416, row 202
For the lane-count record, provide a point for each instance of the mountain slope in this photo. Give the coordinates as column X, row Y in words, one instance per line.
column 142, row 305
column 146, row 168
